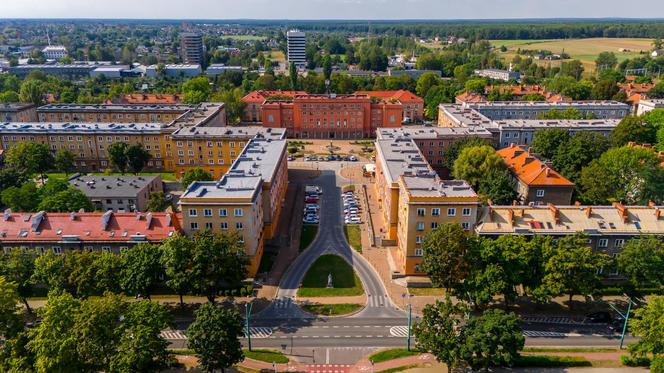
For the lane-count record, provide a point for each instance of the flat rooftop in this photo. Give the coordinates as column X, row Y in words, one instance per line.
column 15, row 106
column 256, row 165
column 230, row 132
column 547, row 105
column 423, row 132
column 464, row 116
column 564, row 220
column 177, row 108
column 432, row 186
column 401, row 156
column 83, row 128
column 559, row 123
column 100, row 187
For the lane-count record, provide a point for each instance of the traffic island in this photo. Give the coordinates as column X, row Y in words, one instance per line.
column 344, row 280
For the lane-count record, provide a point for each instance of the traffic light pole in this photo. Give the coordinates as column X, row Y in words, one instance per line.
column 247, row 315
column 409, row 324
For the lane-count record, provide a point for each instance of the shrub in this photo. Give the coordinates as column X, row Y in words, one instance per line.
column 633, row 361
column 541, row 361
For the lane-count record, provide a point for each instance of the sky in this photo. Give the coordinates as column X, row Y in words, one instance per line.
column 330, row 9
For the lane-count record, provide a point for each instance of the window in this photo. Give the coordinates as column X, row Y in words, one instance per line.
column 434, row 225
column 540, row 193
column 619, row 242
column 224, row 225
column 238, row 212
column 239, row 225
column 435, row 212
column 104, row 249
column 57, row 250
column 465, row 211
column 420, row 226
column 193, row 225
column 420, row 212
column 465, row 225
column 223, row 212
column 193, row 212
column 418, row 252
column 207, row 212
column 208, row 225
column 603, row 242
column 451, row 211
column 418, row 239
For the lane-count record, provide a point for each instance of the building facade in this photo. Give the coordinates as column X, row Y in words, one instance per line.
column 649, row 105
column 90, row 231
column 191, row 48
column 536, row 183
column 254, row 103
column 413, row 105
column 498, row 74
column 17, row 112
column 54, row 52
column 247, row 199
column 118, row 193
column 296, row 48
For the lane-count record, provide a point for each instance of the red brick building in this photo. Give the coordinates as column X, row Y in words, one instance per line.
column 255, row 100
column 413, row 105
column 332, row 116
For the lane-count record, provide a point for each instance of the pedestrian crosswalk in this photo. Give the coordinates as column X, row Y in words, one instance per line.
column 327, row 368
column 260, row 333
column 171, row 335
column 283, row 303
column 551, row 320
column 399, row 331
column 376, row 301
column 537, row 333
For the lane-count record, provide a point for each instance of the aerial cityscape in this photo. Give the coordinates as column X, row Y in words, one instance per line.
column 410, row 186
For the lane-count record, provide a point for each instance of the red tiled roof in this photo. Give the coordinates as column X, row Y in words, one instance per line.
column 87, row 226
column 258, row 97
column 469, row 97
column 401, row 95
column 530, row 170
column 631, row 88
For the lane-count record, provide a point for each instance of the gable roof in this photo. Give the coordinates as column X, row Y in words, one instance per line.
column 530, row 170
column 258, row 97
column 401, row 95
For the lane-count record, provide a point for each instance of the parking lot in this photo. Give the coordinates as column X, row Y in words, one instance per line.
column 352, row 207
column 311, row 213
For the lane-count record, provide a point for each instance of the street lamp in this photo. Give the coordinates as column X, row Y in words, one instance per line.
column 247, row 315
column 624, row 316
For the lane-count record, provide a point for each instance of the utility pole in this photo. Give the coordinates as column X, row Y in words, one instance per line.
column 409, row 323
column 247, row 315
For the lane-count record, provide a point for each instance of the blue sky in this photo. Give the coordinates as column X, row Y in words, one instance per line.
column 330, row 9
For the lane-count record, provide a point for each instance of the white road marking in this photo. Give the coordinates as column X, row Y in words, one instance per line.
column 399, row 331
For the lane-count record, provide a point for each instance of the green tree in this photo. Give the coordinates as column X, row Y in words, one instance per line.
column 214, row 337
column 327, row 67
column 219, row 261
column 634, row 129
column 454, row 149
column 64, row 161
column 18, row 268
column 492, row 339
column 445, row 255
column 50, row 271
column 572, row 267
column 475, row 85
column 605, row 89
column 21, row 198
column 629, row 174
column 70, row 200
column 32, row 91
column 578, row 152
column 141, row 269
column 196, row 90
column 476, row 162
column 195, row 174
column 81, row 273
column 176, row 258
column 106, row 267
column 425, row 82
column 657, row 91
column 9, row 317
column 437, row 333
column 642, row 260
column 573, row 68
column 292, row 74
column 648, row 325
column 498, row 187
column 141, row 347
column 158, row 202
column 30, row 157
column 137, row 157
column 96, row 331
column 53, row 341
column 117, row 154
column 606, row 60
column 233, row 104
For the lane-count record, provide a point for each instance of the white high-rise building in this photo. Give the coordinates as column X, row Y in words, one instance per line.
column 296, row 45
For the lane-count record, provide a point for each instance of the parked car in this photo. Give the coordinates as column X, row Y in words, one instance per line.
column 291, row 158
column 313, row 189
column 353, row 158
column 599, row 317
column 310, row 200
column 312, row 206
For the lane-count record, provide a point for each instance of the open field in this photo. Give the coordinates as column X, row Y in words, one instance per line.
column 244, row 37
column 585, row 50
column 275, row 56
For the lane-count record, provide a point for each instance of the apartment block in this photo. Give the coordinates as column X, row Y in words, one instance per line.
column 77, row 231
column 125, row 193
column 607, row 227
column 191, row 48
column 498, row 110
column 434, row 141
column 254, row 101
column 649, row 105
column 536, row 183
column 297, row 42
column 498, row 74
column 247, row 199
column 17, row 112
column 116, row 113
column 414, row 201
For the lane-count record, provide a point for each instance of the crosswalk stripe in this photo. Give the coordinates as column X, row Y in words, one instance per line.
column 172, row 334
column 260, row 333
column 399, row 331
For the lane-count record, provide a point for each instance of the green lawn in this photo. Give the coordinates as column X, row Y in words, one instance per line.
column 432, row 292
column 542, row 361
column 398, row 369
column 353, row 236
column 307, row 235
column 392, row 354
column 332, row 309
column 266, row 355
column 267, row 261
column 344, row 279
column 571, row 349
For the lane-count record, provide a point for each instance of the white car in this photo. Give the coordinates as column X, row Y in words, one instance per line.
column 312, row 206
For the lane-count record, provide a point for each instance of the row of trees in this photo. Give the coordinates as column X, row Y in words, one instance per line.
column 479, row 269
column 203, row 264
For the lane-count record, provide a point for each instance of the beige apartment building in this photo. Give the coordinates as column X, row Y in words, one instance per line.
column 17, row 112
column 117, row 113
column 247, row 199
column 414, row 200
